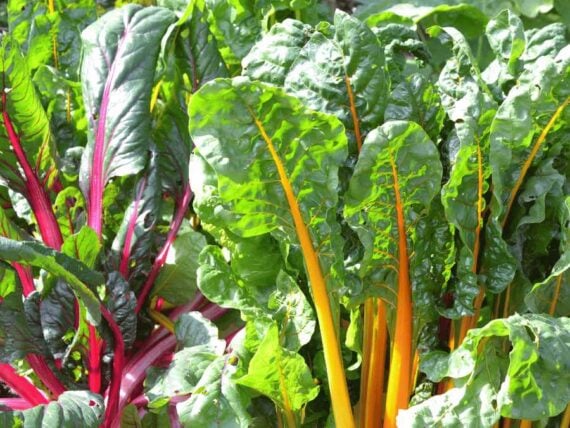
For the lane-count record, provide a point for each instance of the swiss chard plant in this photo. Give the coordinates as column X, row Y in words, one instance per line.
column 254, row 213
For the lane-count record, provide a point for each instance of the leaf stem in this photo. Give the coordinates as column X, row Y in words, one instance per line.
column 556, row 295
column 400, row 363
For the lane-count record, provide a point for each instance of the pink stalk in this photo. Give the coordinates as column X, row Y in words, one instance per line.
column 126, row 254
column 15, row 403
column 21, row 386
column 173, row 417
column 181, row 209
column 36, row 193
column 112, row 409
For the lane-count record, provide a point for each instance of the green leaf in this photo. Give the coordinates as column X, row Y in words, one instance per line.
column 121, row 302
column 270, row 59
column 505, row 33
column 310, row 144
column 66, row 112
column 176, row 281
column 134, row 239
column 342, row 75
column 70, row 407
column 79, row 277
column 236, row 24
column 530, row 382
column 416, row 99
column 217, row 399
column 120, row 52
column 20, row 329
column 399, row 151
column 281, row 375
column 27, row 115
column 261, row 299
column 83, row 246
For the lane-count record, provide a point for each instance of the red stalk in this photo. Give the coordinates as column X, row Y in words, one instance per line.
column 181, row 209
column 21, row 386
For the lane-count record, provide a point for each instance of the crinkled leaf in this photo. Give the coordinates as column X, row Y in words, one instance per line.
column 201, row 348
column 239, row 127
column 217, row 399
column 20, row 328
column 530, row 382
column 505, row 33
column 342, row 75
column 262, row 299
column 121, row 303
column 415, row 99
column 271, row 58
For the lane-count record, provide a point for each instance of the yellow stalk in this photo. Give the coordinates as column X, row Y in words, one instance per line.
column 556, row 295
column 400, row 364
column 342, row 409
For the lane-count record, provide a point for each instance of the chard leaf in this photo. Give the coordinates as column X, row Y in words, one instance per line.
column 23, row 108
column 121, row 302
column 80, row 278
column 20, row 329
column 70, row 407
column 342, row 75
column 261, row 299
column 66, row 112
column 176, row 281
column 217, row 399
column 397, row 159
column 415, row 99
column 505, row 33
column 282, row 178
column 397, row 175
column 281, row 375
column 553, row 294
column 236, row 24
column 530, row 382
column 270, row 59
column 120, row 52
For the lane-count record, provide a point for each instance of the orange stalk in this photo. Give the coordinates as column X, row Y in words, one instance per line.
column 374, row 360
column 342, row 408
column 525, row 424
column 400, row 363
column 353, row 112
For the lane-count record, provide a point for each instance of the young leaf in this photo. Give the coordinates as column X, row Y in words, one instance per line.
column 119, row 60
column 281, row 375
column 283, row 178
